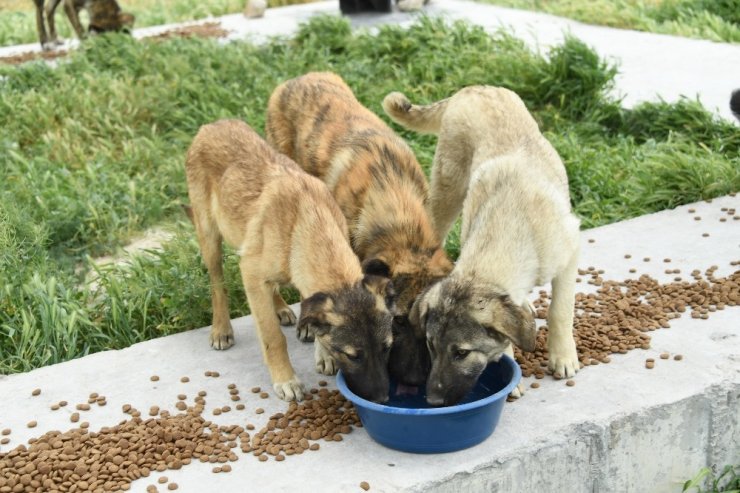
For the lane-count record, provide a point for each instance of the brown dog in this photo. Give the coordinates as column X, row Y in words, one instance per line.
column 105, row 15
column 286, row 227
column 378, row 184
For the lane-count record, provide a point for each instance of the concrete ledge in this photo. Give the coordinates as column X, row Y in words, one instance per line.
column 622, row 428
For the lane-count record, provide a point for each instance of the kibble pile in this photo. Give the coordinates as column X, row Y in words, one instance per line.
column 327, row 417
column 110, row 459
column 617, row 317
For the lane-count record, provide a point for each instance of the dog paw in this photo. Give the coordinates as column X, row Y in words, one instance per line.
column 517, row 392
column 286, row 316
column 304, row 334
column 292, row 390
column 222, row 340
column 563, row 366
column 325, row 362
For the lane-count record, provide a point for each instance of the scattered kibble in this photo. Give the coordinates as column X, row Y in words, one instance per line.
column 36, row 392
column 154, row 378
column 323, row 383
column 75, row 417
column 32, row 424
column 259, row 410
column 535, row 385
column 162, row 480
column 678, row 357
column 264, row 395
column 570, row 383
column 172, row 486
column 240, row 407
column 256, row 390
column 591, row 240
column 185, row 379
column 664, row 355
column 649, row 365
column 365, row 485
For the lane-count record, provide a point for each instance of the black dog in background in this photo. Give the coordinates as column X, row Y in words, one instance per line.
column 735, row 103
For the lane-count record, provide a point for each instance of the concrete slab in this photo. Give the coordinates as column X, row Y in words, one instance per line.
column 651, row 66
column 622, row 428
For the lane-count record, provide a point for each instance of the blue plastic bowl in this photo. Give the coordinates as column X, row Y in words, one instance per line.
column 409, row 424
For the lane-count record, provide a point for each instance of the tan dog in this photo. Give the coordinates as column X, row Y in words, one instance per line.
column 105, row 15
column 378, row 184
column 287, row 228
column 518, row 231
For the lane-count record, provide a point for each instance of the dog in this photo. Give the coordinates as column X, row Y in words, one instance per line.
column 286, row 228
column 380, row 187
column 735, row 103
column 105, row 15
column 518, row 231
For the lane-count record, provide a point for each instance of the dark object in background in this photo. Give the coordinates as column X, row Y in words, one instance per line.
column 355, row 6
column 735, row 103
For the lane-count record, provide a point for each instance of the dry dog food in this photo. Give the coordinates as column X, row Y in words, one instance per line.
column 649, row 364
column 570, row 383
column 154, row 378
column 32, row 424
column 365, row 485
column 535, row 385
column 617, row 317
column 664, row 355
column 185, row 379
column 678, row 357
column 36, row 392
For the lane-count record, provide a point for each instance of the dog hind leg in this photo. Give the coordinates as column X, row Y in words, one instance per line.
column 563, row 357
column 209, row 238
column 260, row 295
column 449, row 184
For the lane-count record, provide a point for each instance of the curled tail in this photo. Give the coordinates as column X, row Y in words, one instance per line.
column 423, row 119
column 734, row 103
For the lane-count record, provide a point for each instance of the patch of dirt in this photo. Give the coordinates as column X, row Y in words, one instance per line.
column 206, row 30
column 32, row 55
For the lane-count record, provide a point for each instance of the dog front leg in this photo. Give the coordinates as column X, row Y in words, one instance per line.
column 519, row 389
column 40, row 26
column 274, row 346
column 561, row 346
column 50, row 9
column 282, row 310
column 72, row 12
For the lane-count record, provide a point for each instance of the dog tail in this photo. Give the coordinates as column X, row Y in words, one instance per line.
column 189, row 211
column 735, row 103
column 423, row 119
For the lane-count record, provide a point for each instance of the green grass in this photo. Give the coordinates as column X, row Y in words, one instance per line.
column 716, row 20
column 92, row 152
column 707, row 481
column 18, row 19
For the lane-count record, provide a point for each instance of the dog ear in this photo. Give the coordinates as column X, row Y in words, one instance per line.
column 499, row 313
column 314, row 314
column 382, row 288
column 376, row 267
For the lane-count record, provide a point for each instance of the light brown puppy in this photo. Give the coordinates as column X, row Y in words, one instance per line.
column 378, row 184
column 286, row 228
column 518, row 232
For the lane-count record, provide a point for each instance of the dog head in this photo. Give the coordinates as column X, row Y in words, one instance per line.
column 409, row 359
column 354, row 326
column 106, row 16
column 467, row 327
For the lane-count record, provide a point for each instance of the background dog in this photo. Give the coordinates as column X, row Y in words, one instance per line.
column 287, row 228
column 380, row 187
column 735, row 103
column 518, row 231
column 105, row 15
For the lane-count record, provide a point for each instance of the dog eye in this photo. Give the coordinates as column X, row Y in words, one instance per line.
column 462, row 353
column 354, row 357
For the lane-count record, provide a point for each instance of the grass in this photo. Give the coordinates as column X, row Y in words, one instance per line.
column 707, row 481
column 18, row 18
column 715, row 20
column 93, row 152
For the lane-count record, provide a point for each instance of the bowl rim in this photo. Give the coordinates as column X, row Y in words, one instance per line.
column 434, row 411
